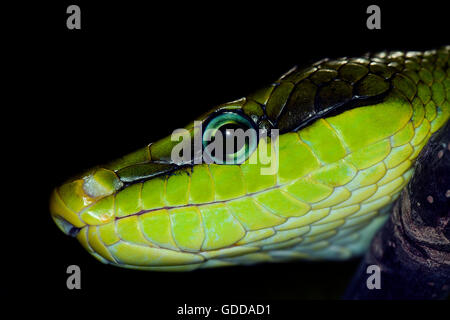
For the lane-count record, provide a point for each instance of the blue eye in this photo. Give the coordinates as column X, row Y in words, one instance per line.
column 229, row 138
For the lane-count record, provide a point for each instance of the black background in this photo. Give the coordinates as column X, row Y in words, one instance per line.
column 131, row 75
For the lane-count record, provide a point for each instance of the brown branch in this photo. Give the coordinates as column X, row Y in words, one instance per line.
column 413, row 247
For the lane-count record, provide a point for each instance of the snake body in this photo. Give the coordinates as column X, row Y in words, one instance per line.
column 350, row 131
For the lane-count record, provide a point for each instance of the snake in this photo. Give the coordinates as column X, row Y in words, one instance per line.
column 349, row 131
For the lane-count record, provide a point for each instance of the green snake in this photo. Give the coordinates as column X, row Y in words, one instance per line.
column 350, row 130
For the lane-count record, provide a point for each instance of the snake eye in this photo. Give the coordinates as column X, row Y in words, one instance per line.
column 229, row 138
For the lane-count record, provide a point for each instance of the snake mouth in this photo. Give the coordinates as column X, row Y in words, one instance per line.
column 66, row 227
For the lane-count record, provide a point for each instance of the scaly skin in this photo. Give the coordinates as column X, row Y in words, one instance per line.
column 350, row 131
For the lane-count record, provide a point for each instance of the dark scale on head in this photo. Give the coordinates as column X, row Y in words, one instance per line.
column 330, row 87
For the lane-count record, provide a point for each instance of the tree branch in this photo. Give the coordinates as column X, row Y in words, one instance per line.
column 413, row 247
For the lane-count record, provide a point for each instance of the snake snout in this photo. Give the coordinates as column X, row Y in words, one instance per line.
column 66, row 227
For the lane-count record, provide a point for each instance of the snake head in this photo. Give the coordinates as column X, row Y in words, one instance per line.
column 349, row 132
